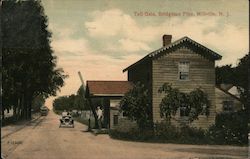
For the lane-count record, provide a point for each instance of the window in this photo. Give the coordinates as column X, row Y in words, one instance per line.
column 183, row 70
column 115, row 119
column 228, row 106
column 115, row 103
column 184, row 110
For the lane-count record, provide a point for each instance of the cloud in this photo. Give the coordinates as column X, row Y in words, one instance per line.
column 121, row 29
column 115, row 40
column 125, row 35
column 75, row 46
column 132, row 46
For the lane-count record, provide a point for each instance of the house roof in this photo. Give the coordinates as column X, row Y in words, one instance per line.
column 185, row 41
column 108, row 88
column 232, row 95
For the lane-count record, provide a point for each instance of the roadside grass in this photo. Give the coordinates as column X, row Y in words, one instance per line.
column 85, row 121
column 169, row 135
column 185, row 135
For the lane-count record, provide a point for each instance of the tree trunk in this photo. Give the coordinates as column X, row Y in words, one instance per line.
column 23, row 107
column 29, row 109
column 3, row 114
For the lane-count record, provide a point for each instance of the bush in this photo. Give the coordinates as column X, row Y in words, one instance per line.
column 192, row 135
column 229, row 128
column 134, row 135
column 163, row 132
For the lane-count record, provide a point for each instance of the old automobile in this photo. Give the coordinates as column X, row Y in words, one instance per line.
column 66, row 121
column 44, row 111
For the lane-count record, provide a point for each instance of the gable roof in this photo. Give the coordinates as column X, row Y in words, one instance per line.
column 108, row 88
column 185, row 41
column 230, row 94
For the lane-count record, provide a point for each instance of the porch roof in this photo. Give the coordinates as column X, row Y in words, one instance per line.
column 107, row 88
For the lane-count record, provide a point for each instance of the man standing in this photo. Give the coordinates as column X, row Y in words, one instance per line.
column 99, row 115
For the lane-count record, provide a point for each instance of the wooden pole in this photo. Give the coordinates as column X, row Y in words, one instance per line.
column 90, row 103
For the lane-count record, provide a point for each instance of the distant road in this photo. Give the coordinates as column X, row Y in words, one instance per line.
column 43, row 139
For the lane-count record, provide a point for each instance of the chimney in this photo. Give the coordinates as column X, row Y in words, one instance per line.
column 166, row 39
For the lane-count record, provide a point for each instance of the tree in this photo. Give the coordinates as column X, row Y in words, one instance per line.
column 225, row 74
column 195, row 103
column 61, row 103
column 37, row 103
column 77, row 102
column 29, row 66
column 243, row 81
column 81, row 102
column 136, row 105
column 238, row 76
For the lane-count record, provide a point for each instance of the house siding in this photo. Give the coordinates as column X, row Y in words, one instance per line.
column 201, row 74
column 142, row 73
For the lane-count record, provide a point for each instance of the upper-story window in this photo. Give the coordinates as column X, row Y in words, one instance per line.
column 183, row 70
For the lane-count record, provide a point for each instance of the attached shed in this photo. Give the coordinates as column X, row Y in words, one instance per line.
column 107, row 94
column 226, row 102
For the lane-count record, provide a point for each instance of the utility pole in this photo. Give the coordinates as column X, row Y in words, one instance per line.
column 90, row 104
column 80, row 76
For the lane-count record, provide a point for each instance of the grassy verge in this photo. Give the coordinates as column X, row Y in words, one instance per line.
column 172, row 135
column 85, row 121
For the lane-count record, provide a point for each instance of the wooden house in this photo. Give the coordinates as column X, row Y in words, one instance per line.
column 185, row 64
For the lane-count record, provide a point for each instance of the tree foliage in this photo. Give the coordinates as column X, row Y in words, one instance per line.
column 29, row 65
column 37, row 103
column 238, row 76
column 136, row 105
column 72, row 102
column 225, row 74
column 196, row 102
column 243, row 81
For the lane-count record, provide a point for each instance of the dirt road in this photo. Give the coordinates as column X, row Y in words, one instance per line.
column 43, row 139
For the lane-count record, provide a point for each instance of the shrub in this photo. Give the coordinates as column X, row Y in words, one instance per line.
column 163, row 132
column 229, row 128
column 133, row 134
column 136, row 104
column 192, row 135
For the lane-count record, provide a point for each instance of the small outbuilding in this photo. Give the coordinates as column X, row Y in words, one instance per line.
column 107, row 94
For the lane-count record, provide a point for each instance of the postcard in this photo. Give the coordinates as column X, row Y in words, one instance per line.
column 113, row 79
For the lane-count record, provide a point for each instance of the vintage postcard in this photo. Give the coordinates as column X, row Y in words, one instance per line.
column 115, row 79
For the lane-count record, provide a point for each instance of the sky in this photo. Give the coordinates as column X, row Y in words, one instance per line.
column 100, row 38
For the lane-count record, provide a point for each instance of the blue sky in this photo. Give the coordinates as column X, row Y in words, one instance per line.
column 102, row 37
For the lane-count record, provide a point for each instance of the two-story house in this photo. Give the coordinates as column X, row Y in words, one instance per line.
column 185, row 64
